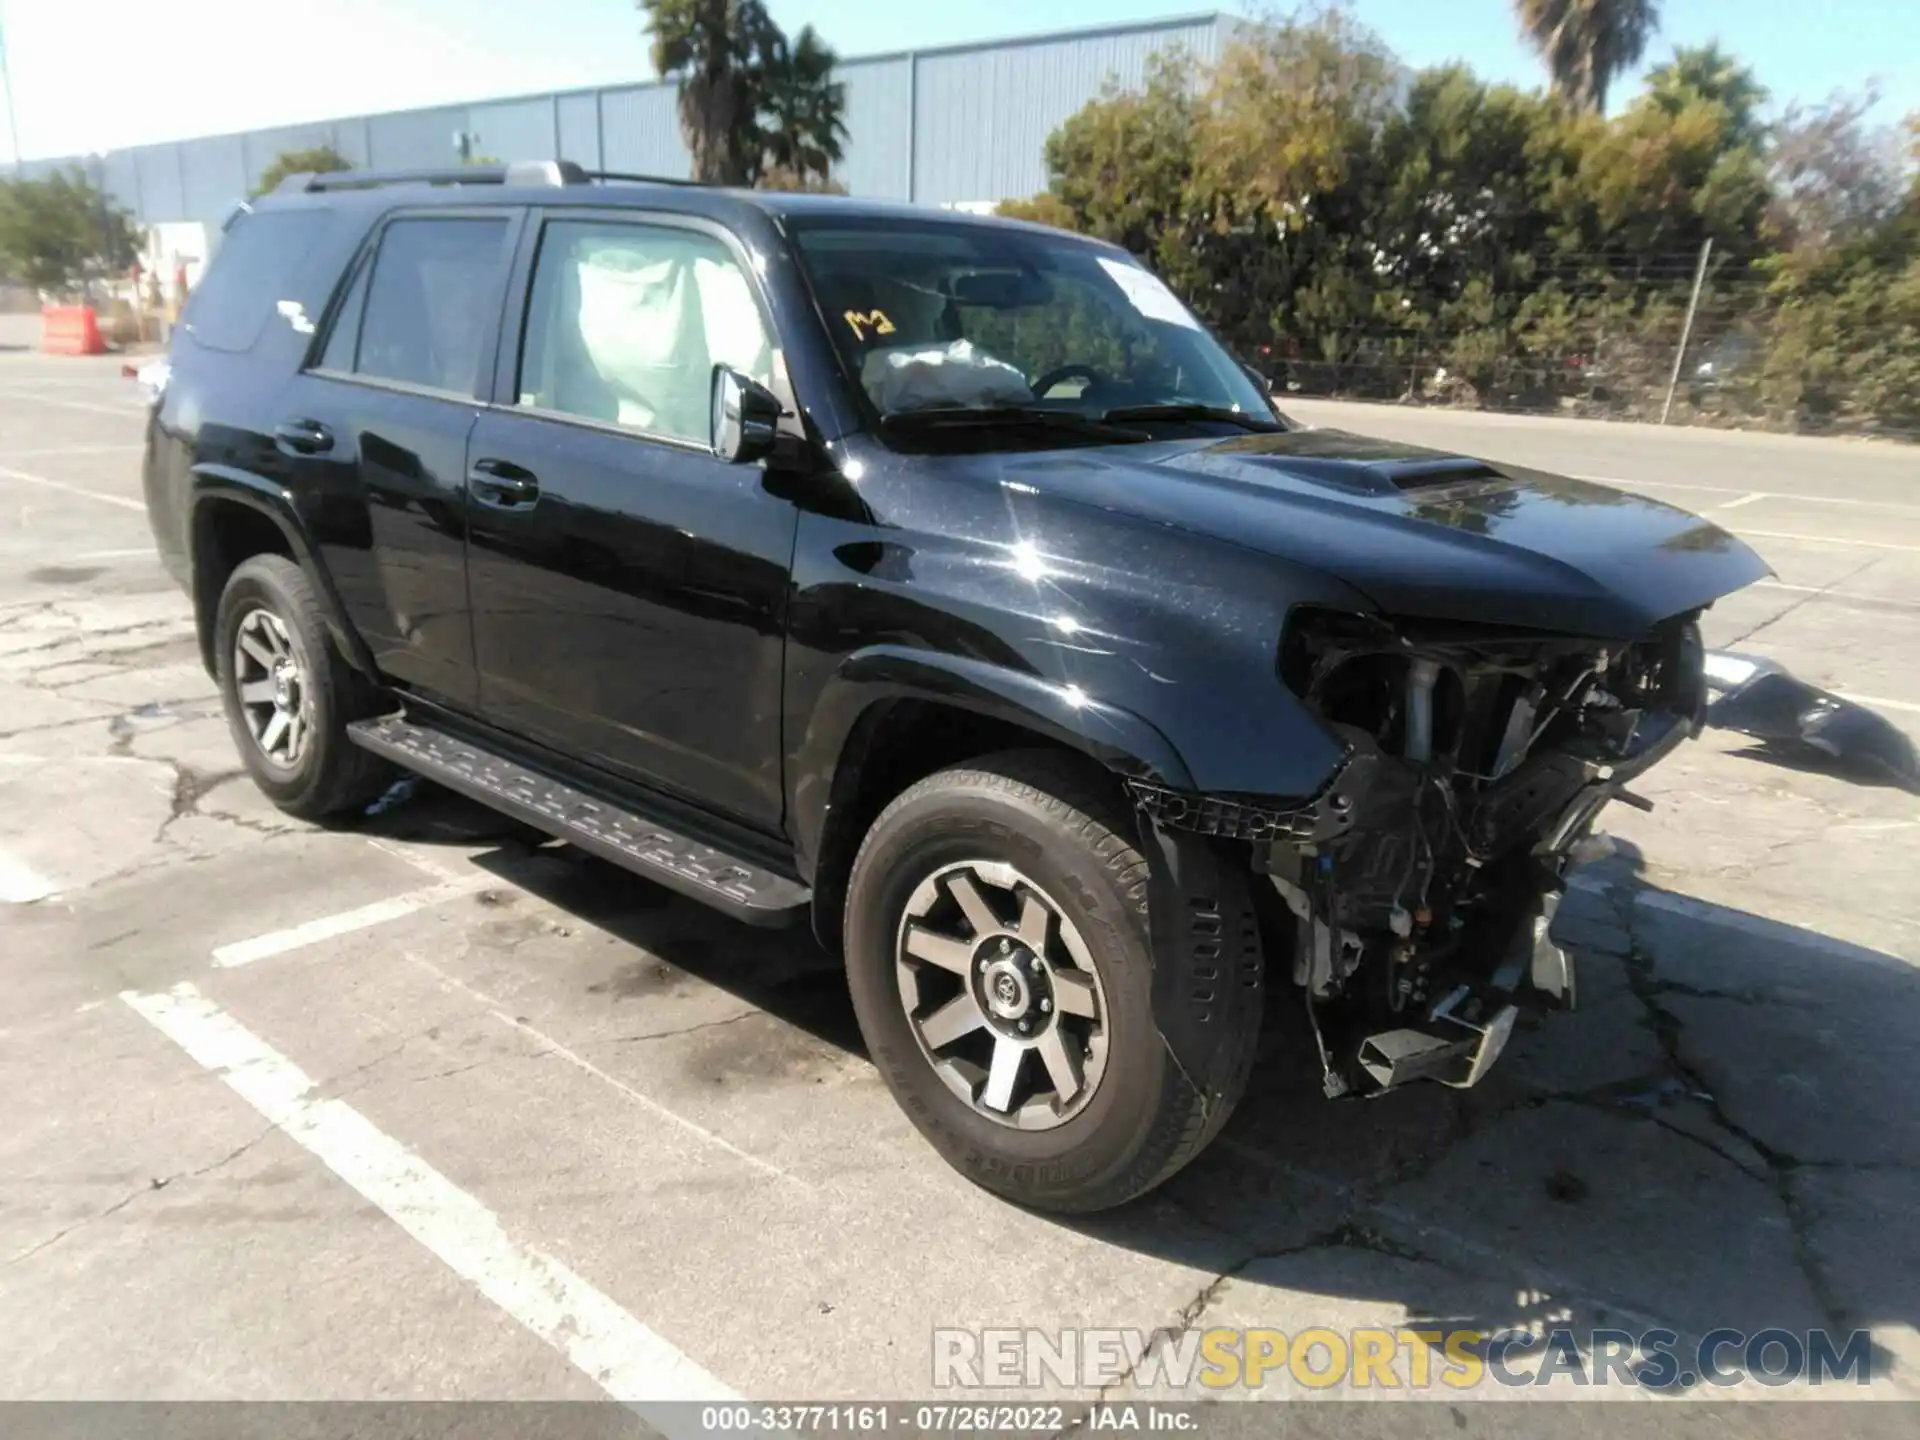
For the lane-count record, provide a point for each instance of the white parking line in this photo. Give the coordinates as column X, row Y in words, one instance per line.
column 20, row 883
column 134, row 411
column 1744, row 533
column 603, row 1341
column 7, row 472
column 120, row 449
column 1746, row 499
column 1898, row 507
column 298, row 937
column 1628, row 481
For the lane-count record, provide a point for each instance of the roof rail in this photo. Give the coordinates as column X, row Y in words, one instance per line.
column 631, row 177
column 520, row 172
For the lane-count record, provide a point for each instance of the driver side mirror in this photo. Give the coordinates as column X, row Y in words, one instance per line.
column 745, row 418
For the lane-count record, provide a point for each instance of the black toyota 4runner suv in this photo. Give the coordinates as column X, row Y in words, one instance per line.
column 935, row 580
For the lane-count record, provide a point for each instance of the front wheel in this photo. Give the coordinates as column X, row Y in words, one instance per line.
column 289, row 695
column 998, row 955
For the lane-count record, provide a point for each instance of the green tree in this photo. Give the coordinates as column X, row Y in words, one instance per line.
column 1837, row 177
column 1707, row 73
column 1122, row 165
column 751, row 101
column 1434, row 237
column 58, row 232
column 320, row 160
column 1658, row 181
column 1587, row 44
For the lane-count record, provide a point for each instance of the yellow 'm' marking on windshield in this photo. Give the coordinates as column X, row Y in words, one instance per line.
column 876, row 321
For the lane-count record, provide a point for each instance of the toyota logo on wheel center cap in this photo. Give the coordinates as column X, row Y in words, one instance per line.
column 1007, row 994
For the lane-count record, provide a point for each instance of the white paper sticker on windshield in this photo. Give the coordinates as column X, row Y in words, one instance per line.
column 1147, row 294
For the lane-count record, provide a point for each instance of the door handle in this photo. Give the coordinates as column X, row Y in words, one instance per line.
column 502, row 484
column 302, row 437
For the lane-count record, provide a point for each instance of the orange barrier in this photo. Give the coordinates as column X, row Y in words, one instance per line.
column 71, row 330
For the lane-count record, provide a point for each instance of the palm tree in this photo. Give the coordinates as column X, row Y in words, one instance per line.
column 1587, row 44
column 806, row 110
column 750, row 100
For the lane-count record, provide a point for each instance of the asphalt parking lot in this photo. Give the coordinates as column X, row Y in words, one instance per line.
column 422, row 1109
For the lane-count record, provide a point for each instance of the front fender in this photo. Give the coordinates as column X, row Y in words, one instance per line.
column 871, row 676
column 225, row 484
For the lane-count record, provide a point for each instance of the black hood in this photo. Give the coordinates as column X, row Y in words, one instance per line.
column 1424, row 533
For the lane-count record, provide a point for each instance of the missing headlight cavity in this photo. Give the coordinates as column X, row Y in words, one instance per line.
column 1420, row 883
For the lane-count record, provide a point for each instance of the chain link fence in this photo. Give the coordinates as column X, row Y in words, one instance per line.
column 1591, row 342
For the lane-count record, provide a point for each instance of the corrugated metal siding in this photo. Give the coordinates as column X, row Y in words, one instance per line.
column 982, row 117
column 266, row 146
column 942, row 127
column 640, row 131
column 216, row 176
column 415, row 138
column 161, row 194
column 121, row 180
column 352, row 139
column 580, row 130
column 879, row 145
column 515, row 129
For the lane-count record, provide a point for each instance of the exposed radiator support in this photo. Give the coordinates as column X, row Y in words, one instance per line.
column 1420, row 677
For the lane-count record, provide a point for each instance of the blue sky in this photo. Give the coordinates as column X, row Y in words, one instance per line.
column 101, row 74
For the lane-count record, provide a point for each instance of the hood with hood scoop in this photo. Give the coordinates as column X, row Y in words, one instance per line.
column 1424, row 533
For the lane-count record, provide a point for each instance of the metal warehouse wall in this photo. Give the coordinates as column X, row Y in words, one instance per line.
column 948, row 126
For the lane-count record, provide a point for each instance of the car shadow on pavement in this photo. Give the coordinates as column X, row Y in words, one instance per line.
column 1724, row 1133
column 782, row 972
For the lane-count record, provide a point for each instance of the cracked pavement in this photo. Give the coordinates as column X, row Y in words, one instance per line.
column 1726, row 1132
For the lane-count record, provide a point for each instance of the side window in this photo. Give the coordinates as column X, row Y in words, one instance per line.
column 344, row 338
column 421, row 323
column 626, row 322
column 250, row 276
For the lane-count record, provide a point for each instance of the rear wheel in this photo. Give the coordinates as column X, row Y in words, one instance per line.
column 998, row 954
column 289, row 695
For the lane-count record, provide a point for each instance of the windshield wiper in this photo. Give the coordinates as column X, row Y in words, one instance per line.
column 1007, row 416
column 1183, row 411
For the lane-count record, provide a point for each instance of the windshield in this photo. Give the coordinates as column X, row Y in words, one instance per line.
column 937, row 317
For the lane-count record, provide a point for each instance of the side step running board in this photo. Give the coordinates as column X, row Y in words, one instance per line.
column 627, row 838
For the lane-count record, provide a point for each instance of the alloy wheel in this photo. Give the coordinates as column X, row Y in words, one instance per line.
column 1002, row 995
column 270, row 679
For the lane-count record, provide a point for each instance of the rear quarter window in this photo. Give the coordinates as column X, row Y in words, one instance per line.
column 251, row 274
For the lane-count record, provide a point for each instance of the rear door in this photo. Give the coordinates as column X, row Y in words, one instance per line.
column 375, row 433
column 629, row 588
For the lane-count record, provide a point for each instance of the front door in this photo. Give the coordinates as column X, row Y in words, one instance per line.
column 629, row 589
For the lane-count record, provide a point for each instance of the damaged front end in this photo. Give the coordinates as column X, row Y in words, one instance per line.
column 1422, row 879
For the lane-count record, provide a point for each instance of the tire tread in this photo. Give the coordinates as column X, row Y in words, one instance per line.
column 350, row 776
column 1082, row 799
